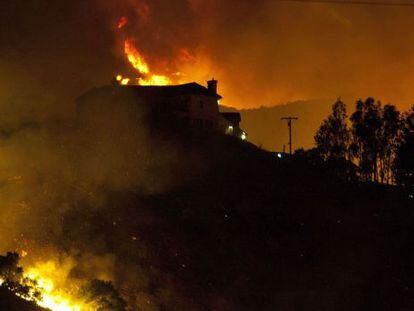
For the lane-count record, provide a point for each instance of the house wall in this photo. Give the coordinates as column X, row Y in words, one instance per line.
column 200, row 111
column 195, row 111
column 204, row 110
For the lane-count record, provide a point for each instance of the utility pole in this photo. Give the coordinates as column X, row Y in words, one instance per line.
column 290, row 119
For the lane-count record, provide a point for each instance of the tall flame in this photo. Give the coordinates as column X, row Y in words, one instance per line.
column 56, row 299
column 135, row 57
column 139, row 63
column 137, row 60
column 57, row 293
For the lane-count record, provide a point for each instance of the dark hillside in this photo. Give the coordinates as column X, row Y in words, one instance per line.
column 255, row 233
column 10, row 302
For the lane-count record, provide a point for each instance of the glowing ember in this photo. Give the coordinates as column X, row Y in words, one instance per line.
column 121, row 80
column 122, row 22
column 125, row 81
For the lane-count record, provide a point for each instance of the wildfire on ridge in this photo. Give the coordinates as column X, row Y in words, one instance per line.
column 46, row 283
column 53, row 298
column 139, row 63
column 137, row 60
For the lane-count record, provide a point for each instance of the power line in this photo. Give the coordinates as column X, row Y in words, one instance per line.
column 376, row 3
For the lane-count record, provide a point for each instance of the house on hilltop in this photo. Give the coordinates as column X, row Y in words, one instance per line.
column 191, row 106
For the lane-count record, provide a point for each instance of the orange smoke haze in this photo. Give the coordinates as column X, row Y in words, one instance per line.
column 268, row 52
column 263, row 52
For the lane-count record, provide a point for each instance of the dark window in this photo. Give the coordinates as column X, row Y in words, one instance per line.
column 198, row 123
column 180, row 106
column 183, row 106
column 186, row 121
column 208, row 124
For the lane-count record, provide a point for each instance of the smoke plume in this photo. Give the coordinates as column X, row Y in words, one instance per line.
column 263, row 52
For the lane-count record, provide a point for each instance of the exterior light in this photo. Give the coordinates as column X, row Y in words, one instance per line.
column 279, row 155
column 243, row 136
column 230, row 130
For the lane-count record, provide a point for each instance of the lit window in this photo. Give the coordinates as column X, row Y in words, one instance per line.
column 229, row 130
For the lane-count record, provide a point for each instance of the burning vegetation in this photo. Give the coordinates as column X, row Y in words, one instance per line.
column 137, row 60
column 44, row 284
column 62, row 207
column 113, row 205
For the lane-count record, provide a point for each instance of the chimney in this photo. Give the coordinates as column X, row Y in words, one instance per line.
column 212, row 86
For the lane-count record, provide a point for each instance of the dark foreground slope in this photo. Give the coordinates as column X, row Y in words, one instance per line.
column 254, row 233
column 10, row 302
column 246, row 231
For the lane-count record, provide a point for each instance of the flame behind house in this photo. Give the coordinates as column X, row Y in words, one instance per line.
column 136, row 59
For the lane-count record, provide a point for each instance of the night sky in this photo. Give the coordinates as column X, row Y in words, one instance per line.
column 263, row 52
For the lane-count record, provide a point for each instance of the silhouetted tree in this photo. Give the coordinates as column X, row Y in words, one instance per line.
column 389, row 141
column 333, row 140
column 103, row 295
column 12, row 278
column 333, row 137
column 366, row 135
column 404, row 163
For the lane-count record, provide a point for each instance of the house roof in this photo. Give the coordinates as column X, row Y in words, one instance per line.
column 160, row 91
column 232, row 116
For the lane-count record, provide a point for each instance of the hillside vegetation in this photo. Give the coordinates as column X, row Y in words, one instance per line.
column 249, row 231
column 255, row 233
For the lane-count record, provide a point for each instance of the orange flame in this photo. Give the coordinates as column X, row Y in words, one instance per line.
column 154, row 80
column 139, row 63
column 48, row 276
column 135, row 57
